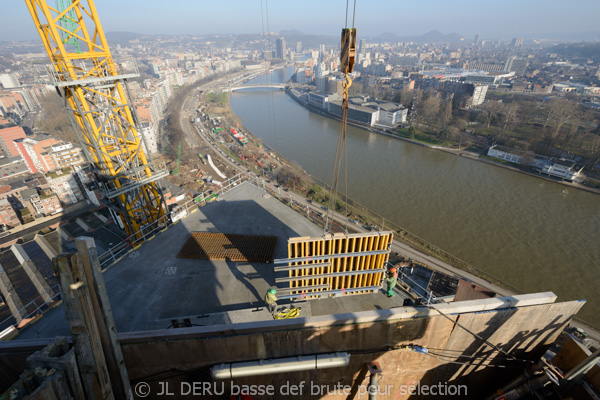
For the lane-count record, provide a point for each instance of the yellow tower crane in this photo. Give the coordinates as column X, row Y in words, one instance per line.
column 97, row 98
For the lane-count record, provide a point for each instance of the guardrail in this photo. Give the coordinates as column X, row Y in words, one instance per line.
column 131, row 243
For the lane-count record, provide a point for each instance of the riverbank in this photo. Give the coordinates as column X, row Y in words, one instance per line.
column 403, row 237
column 458, row 152
column 366, row 217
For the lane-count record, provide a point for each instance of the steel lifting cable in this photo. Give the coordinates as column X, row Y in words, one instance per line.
column 267, row 76
column 271, row 99
column 347, row 57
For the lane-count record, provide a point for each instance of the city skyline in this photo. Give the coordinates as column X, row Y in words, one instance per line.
column 532, row 19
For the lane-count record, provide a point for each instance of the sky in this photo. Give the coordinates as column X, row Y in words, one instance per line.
column 489, row 19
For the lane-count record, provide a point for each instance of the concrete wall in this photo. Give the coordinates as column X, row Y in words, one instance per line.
column 370, row 336
column 523, row 325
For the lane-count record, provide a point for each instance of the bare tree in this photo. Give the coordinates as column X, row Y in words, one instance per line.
column 508, row 115
column 571, row 133
column 55, row 119
column 430, row 108
column 489, row 111
column 445, row 113
column 560, row 112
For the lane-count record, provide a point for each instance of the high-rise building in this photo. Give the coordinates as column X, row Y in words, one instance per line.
column 478, row 95
column 7, row 138
column 44, row 153
column 268, row 55
column 298, row 47
column 31, row 150
column 321, row 70
column 362, row 47
column 280, row 48
column 517, row 42
column 476, row 40
column 9, row 81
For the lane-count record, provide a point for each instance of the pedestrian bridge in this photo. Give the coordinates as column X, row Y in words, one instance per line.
column 279, row 86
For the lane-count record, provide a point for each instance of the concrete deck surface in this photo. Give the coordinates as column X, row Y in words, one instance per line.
column 208, row 292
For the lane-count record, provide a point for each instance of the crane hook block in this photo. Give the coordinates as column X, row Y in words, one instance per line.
column 348, row 53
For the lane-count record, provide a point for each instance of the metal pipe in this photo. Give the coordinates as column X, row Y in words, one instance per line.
column 303, row 266
column 279, row 365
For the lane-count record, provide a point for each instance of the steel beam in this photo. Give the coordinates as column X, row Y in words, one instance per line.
column 330, row 256
column 329, row 275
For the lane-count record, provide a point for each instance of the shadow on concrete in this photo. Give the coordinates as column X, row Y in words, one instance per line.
column 526, row 347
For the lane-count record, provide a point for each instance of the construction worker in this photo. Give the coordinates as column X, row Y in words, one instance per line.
column 391, row 281
column 271, row 300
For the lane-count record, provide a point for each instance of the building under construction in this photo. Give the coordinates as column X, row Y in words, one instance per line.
column 202, row 321
column 182, row 313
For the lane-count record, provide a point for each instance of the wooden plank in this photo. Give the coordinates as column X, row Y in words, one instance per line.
column 79, row 311
column 105, row 322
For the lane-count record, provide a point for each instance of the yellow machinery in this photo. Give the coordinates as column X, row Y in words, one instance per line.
column 97, row 98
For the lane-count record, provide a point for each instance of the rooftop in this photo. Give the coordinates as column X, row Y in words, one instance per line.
column 146, row 292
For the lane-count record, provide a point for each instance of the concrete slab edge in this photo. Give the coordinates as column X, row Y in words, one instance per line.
column 389, row 315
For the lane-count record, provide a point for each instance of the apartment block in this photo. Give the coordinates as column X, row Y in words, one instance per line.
column 7, row 138
column 65, row 186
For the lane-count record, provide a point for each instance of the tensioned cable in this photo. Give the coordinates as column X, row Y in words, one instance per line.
column 346, row 25
column 270, row 82
column 341, row 150
column 464, row 328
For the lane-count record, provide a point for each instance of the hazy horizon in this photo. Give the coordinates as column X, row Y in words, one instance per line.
column 531, row 19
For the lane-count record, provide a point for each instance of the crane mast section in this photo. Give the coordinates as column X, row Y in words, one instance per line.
column 97, row 98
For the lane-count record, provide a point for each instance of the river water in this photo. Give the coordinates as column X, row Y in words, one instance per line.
column 534, row 234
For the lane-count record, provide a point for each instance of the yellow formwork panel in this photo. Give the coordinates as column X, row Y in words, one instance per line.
column 309, row 247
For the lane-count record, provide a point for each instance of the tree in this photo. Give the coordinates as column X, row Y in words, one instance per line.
column 444, row 134
column 430, row 108
column 55, row 119
column 508, row 116
column 570, row 135
column 405, row 96
column 445, row 113
column 559, row 112
column 489, row 111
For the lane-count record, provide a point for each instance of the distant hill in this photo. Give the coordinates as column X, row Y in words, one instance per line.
column 430, row 37
column 592, row 36
column 308, row 41
column 122, row 38
column 314, row 40
column 578, row 50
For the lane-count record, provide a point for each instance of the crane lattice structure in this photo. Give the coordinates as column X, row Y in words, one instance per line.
column 97, row 98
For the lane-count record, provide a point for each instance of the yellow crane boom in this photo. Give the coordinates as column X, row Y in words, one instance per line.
column 98, row 101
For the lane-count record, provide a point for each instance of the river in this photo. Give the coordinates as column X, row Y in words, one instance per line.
column 534, row 234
